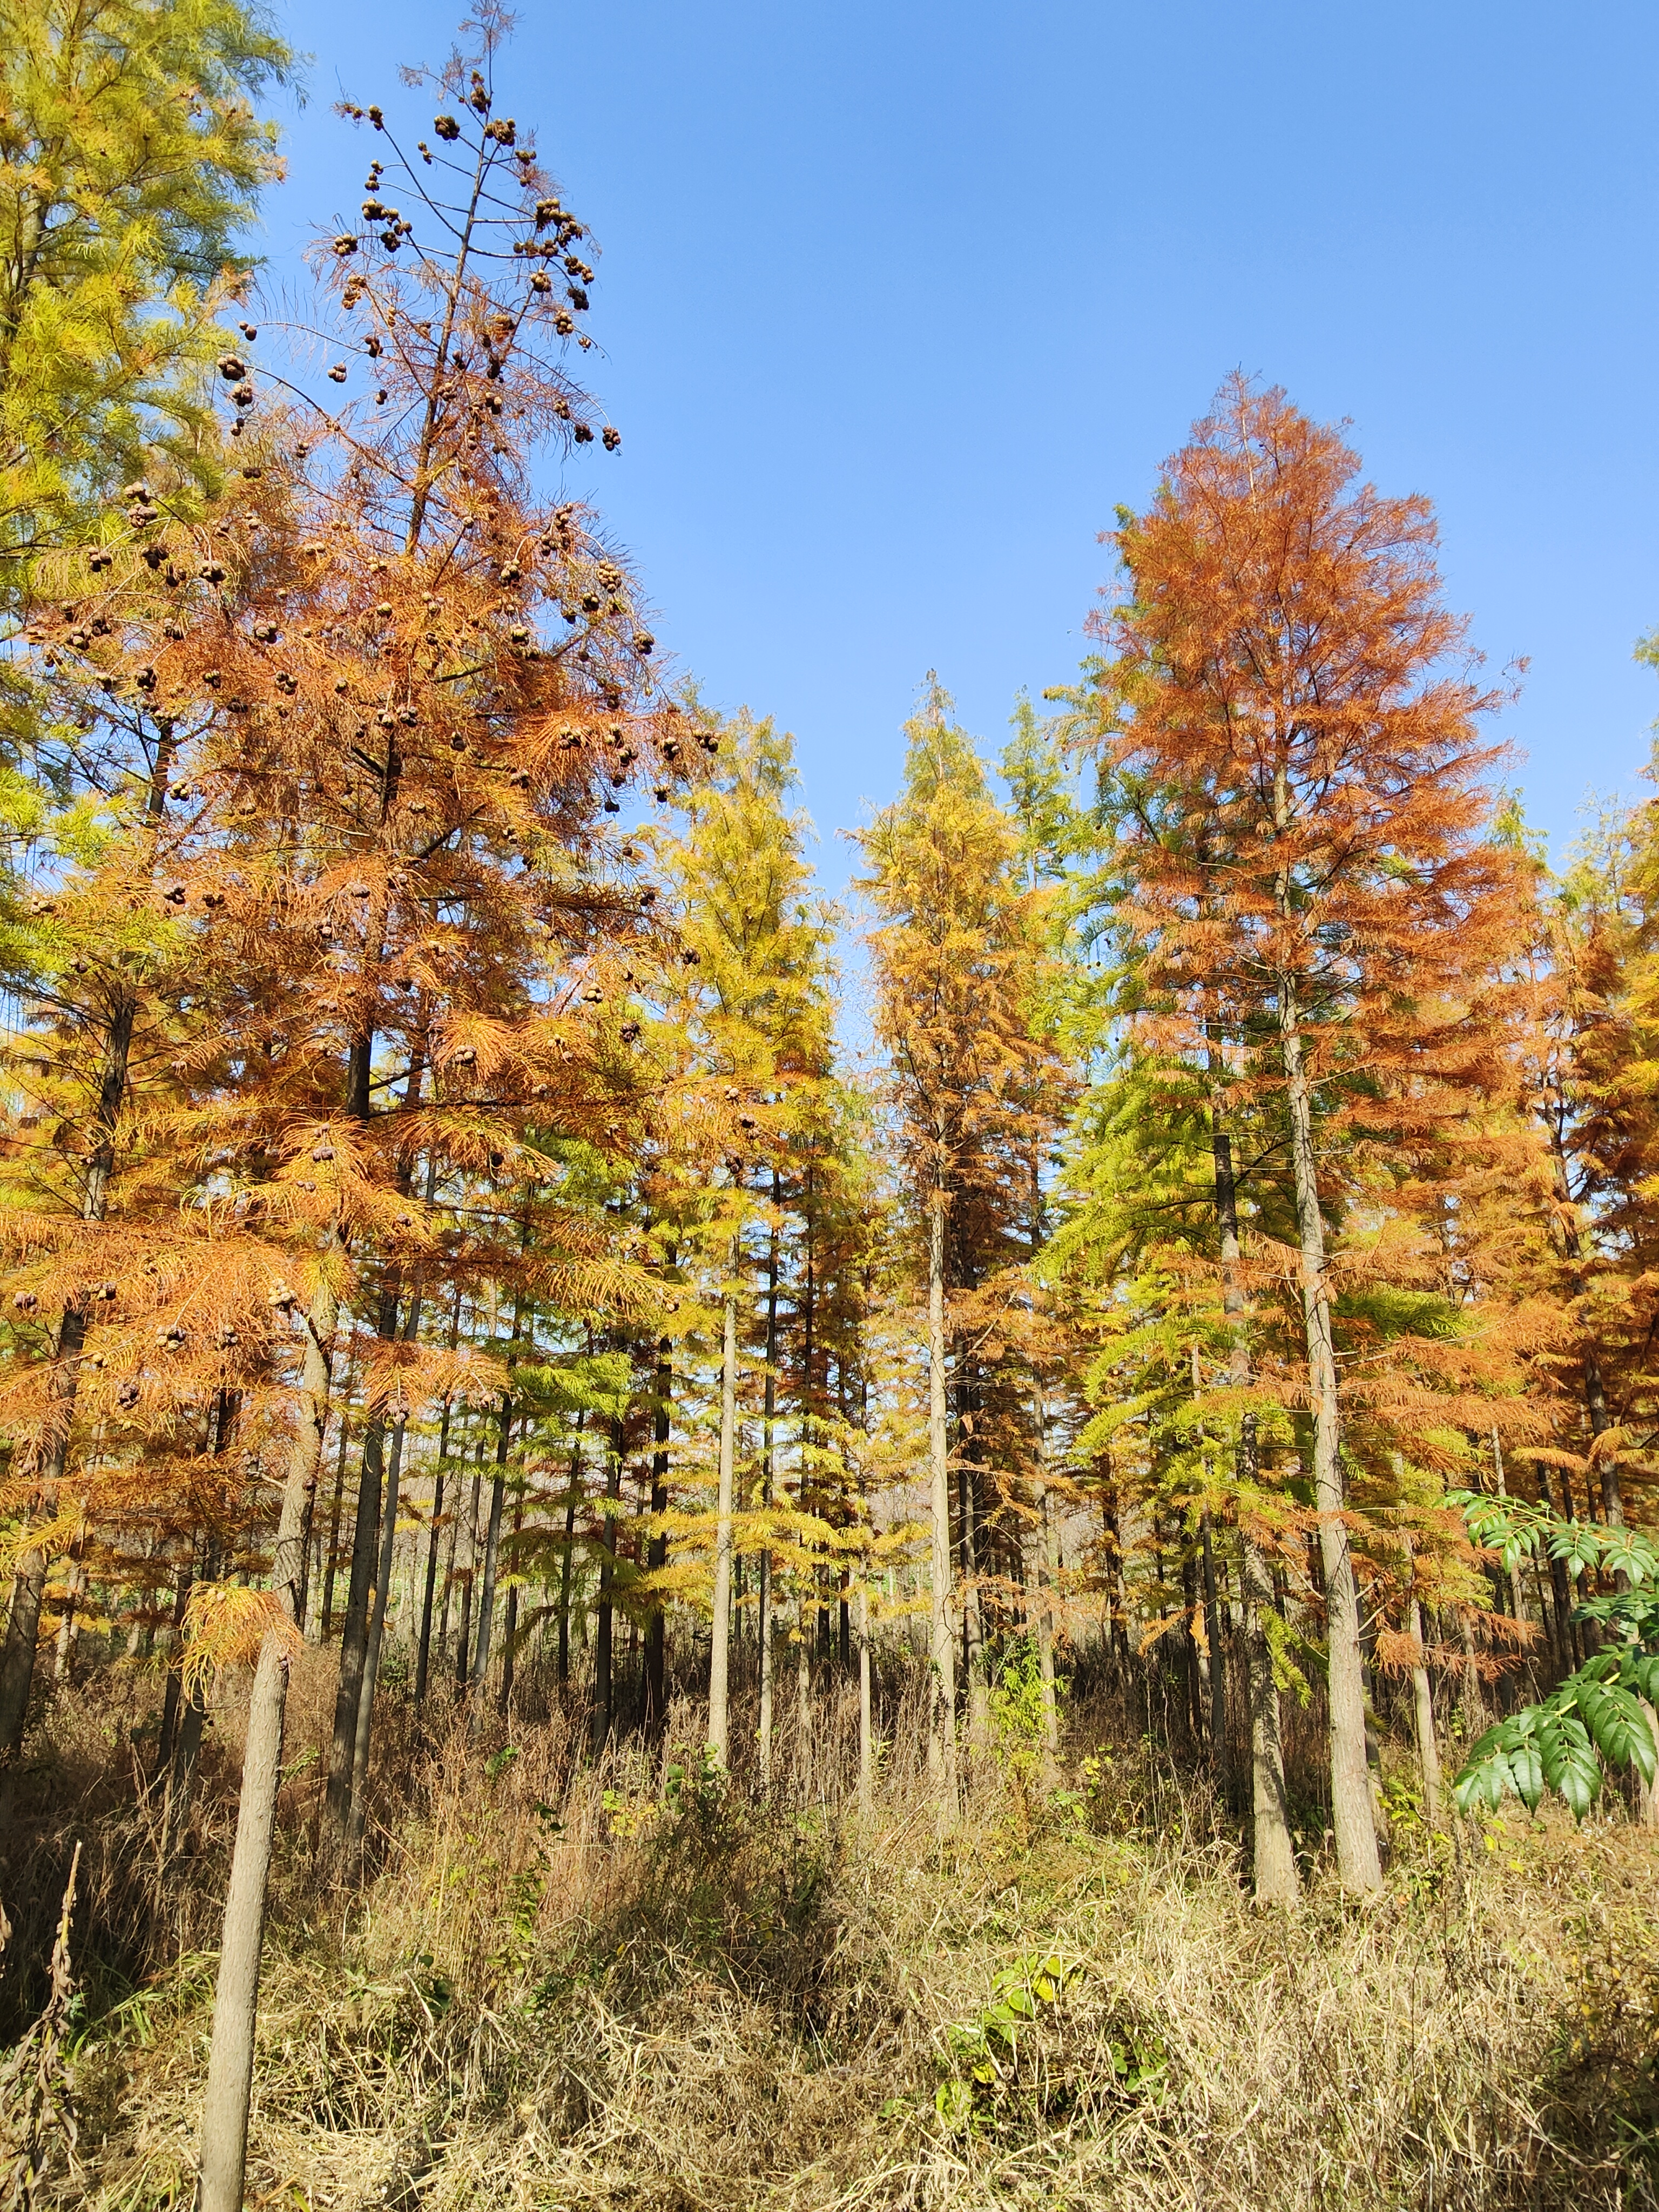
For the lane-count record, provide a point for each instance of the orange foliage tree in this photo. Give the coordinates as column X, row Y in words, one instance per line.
column 1309, row 872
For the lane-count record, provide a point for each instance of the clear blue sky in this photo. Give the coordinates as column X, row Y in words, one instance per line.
column 898, row 301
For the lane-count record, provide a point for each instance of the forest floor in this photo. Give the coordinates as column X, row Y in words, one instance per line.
column 563, row 1986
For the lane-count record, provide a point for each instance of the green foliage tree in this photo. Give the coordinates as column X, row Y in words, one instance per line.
column 131, row 162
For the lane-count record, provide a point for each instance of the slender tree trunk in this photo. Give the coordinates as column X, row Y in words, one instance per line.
column 1475, row 1704
column 510, row 1624
column 973, row 1615
column 466, row 1572
column 355, row 1635
column 604, row 1697
column 1220, row 1751
column 1043, row 1612
column 63, row 1659
column 175, row 1673
column 566, row 1559
column 866, row 1740
column 803, row 1679
column 1428, row 1751
column 768, row 1419
column 1358, row 1863
column 942, row 1733
column 353, row 1640
column 719, row 1651
column 423, row 1658
column 236, row 1993
column 491, row 1566
column 493, row 1539
column 331, row 1565
column 358, row 1804
column 1275, row 1853
column 656, row 1557
column 434, row 1538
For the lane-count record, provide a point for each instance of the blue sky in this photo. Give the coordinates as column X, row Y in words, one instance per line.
column 898, row 302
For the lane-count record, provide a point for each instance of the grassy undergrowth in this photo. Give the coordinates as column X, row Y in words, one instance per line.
column 625, row 1987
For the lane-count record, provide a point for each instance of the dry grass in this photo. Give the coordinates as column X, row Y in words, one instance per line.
column 562, row 1986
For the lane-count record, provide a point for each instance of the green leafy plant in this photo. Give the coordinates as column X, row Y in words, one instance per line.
column 984, row 2052
column 1599, row 1717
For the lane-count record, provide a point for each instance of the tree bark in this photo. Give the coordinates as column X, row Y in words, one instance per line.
column 719, row 1648
column 434, row 1535
column 466, row 1572
column 236, row 1992
column 331, row 1565
column 354, row 1639
column 1220, row 1752
column 485, row 1632
column 566, row 1559
column 1358, row 1866
column 942, row 1731
column 1275, row 1853
column 866, row 1740
column 1428, row 1751
column 357, row 1804
column 656, row 1557
column 604, row 1688
column 510, row 1623
column 768, row 1419
column 1044, row 1610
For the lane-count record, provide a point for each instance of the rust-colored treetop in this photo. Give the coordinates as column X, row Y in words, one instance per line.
column 1292, row 710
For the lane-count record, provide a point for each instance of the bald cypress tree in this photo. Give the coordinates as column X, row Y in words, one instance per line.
column 957, row 945
column 1308, row 871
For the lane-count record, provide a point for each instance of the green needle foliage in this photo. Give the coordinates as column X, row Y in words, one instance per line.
column 130, row 162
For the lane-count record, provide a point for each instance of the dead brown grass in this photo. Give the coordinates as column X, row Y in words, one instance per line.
column 563, row 1985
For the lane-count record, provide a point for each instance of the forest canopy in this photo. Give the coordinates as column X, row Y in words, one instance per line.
column 459, row 1275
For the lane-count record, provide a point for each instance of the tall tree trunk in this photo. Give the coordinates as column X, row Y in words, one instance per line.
column 354, row 1639
column 769, row 1419
column 331, row 1564
column 1273, row 1851
column 175, row 1673
column 719, row 1648
column 434, row 1537
column 866, row 1740
column 510, row 1624
column 973, row 1614
column 493, row 1539
column 656, row 1557
column 466, row 1571
column 358, row 1804
column 605, row 1687
column 1358, row 1863
column 1220, row 1751
column 942, row 1730
column 69, row 1619
column 568, row 1557
column 1042, row 1611
column 423, row 1659
column 236, row 1993
column 1428, row 1751
column 491, row 1566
